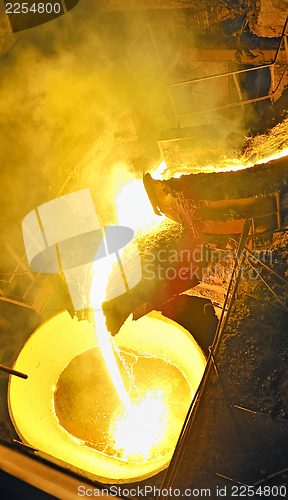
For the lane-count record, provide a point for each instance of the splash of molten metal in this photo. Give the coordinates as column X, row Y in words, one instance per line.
column 138, row 431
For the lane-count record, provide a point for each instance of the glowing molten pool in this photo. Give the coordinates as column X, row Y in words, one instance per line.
column 160, row 396
column 67, row 408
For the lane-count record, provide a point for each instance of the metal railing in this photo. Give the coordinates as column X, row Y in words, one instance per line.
column 274, row 87
column 18, row 284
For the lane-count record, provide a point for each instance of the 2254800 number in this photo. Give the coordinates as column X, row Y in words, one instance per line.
column 36, row 8
column 265, row 491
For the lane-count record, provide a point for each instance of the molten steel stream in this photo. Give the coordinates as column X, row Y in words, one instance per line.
column 101, row 269
column 138, row 426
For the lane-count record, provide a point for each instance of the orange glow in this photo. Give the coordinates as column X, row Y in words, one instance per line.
column 133, row 205
column 138, row 431
column 106, row 347
column 46, row 355
column 157, row 174
column 227, row 165
column 101, row 270
column 274, row 157
column 138, row 426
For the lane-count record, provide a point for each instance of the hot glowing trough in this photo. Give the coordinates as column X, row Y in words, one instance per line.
column 226, row 165
column 50, row 350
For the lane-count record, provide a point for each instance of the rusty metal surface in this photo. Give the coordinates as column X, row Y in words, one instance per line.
column 224, row 216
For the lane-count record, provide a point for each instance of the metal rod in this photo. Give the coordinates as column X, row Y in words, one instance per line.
column 286, row 47
column 262, row 414
column 17, row 302
column 219, row 75
column 214, row 362
column 282, row 36
column 13, row 372
column 155, row 44
column 272, row 476
column 230, row 479
column 257, row 297
column 232, row 297
column 238, row 90
column 173, row 106
column 229, row 105
column 242, row 241
column 19, row 261
column 24, row 445
column 262, row 233
column 268, row 268
column 269, row 287
column 64, row 6
column 272, row 78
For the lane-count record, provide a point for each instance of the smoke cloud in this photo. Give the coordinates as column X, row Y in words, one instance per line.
column 63, row 85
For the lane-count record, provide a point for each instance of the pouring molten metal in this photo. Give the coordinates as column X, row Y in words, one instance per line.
column 109, row 409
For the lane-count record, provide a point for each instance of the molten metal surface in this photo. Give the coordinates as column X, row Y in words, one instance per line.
column 88, row 407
